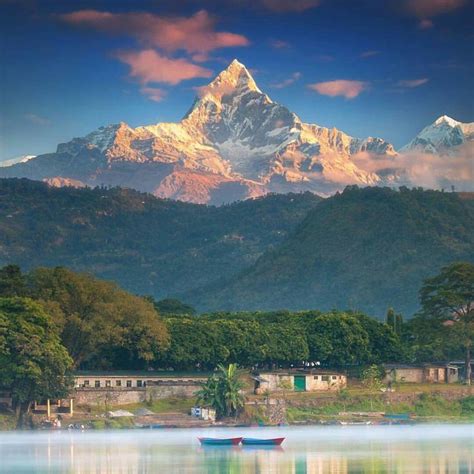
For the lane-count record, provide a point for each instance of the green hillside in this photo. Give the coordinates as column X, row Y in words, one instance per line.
column 148, row 245
column 364, row 249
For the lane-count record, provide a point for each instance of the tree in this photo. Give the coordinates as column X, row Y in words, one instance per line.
column 222, row 391
column 101, row 325
column 12, row 281
column 337, row 339
column 173, row 306
column 448, row 300
column 395, row 321
column 34, row 364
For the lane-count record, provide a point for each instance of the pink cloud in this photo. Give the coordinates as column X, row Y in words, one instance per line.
column 411, row 83
column 153, row 93
column 283, row 6
column 429, row 8
column 287, row 82
column 195, row 34
column 340, row 87
column 149, row 66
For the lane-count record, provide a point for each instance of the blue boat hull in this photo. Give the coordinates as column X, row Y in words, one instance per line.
column 220, row 441
column 262, row 442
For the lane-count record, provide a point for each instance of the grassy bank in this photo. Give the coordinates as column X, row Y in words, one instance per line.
column 426, row 406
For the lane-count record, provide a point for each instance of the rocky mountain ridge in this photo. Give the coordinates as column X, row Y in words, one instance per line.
column 233, row 143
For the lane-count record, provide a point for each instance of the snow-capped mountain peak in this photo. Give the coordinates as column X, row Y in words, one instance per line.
column 18, row 159
column 443, row 136
column 444, row 119
column 234, row 143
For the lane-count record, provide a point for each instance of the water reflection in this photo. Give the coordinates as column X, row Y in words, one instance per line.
column 409, row 449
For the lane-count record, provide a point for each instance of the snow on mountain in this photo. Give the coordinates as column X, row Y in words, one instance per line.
column 443, row 137
column 14, row 161
column 233, row 143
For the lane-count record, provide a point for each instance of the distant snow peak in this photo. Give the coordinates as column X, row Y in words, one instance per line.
column 17, row 160
column 444, row 136
column 444, row 119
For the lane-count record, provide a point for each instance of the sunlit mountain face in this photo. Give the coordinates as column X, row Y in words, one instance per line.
column 324, row 72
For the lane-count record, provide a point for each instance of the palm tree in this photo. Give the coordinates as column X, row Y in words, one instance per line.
column 222, row 391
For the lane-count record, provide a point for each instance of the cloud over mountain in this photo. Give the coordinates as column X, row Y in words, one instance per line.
column 340, row 87
column 149, row 66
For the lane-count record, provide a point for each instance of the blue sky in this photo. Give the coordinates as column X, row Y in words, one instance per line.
column 366, row 67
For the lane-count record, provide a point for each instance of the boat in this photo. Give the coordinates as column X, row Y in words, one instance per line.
column 220, row 441
column 262, row 442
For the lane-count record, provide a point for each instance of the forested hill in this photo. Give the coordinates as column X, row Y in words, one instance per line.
column 149, row 246
column 365, row 248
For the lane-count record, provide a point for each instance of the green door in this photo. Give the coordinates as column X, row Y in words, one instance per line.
column 299, row 383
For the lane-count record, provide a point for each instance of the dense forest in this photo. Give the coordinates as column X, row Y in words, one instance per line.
column 365, row 249
column 361, row 250
column 147, row 245
column 104, row 327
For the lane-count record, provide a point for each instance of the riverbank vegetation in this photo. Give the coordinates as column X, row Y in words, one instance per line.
column 53, row 320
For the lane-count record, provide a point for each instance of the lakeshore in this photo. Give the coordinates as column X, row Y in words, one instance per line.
column 417, row 403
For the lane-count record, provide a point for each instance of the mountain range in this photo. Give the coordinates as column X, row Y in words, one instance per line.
column 365, row 248
column 235, row 143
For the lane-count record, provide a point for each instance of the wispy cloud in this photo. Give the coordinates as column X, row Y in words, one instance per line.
column 153, row 93
column 194, row 34
column 287, row 82
column 325, row 58
column 285, row 6
column 425, row 169
column 279, row 44
column 411, row 83
column 37, row 119
column 425, row 24
column 341, row 87
column 430, row 8
column 148, row 66
column 425, row 10
column 369, row 54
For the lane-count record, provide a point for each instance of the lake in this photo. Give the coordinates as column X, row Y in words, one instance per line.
column 308, row 450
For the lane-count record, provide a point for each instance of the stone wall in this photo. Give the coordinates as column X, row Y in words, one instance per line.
column 107, row 397
column 113, row 396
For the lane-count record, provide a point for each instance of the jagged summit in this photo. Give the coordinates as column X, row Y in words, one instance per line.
column 448, row 120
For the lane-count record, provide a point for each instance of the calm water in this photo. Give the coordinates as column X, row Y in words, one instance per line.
column 308, row 450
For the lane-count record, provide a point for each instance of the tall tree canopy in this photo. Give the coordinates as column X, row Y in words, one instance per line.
column 101, row 325
column 33, row 362
column 447, row 300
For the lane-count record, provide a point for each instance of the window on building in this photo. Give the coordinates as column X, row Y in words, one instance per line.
column 108, row 383
column 129, row 383
column 97, row 384
column 325, row 378
column 316, row 377
column 86, row 383
column 118, row 383
column 139, row 383
column 334, row 377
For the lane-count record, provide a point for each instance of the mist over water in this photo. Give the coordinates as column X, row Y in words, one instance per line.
column 307, row 450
